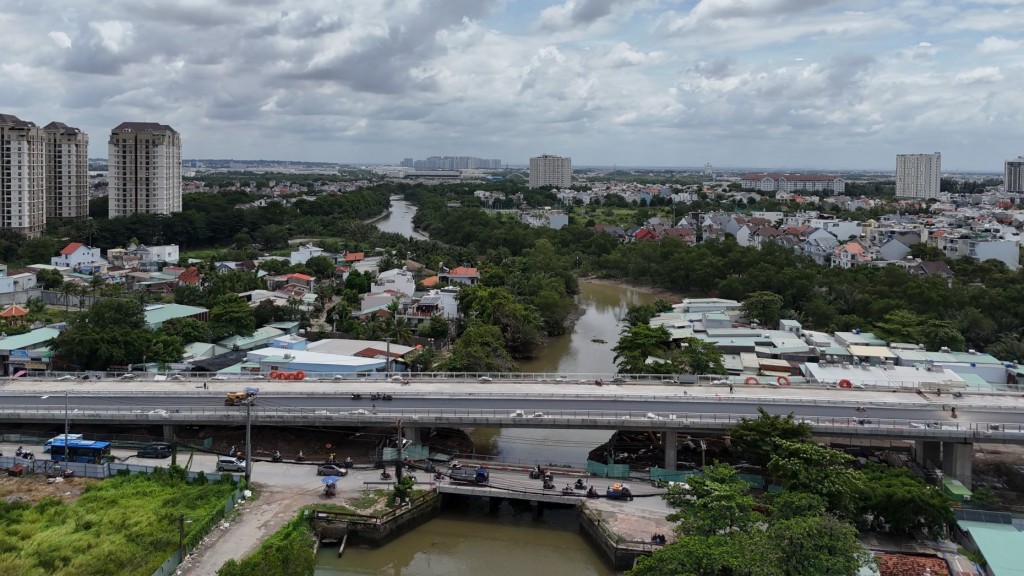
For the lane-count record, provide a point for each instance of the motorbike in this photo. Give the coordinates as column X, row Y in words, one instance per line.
column 276, row 457
column 592, row 493
column 549, row 485
column 348, row 462
column 385, row 475
column 330, row 490
column 952, row 412
column 861, row 409
column 357, row 396
column 455, row 465
column 580, row 484
column 437, row 476
column 25, row 454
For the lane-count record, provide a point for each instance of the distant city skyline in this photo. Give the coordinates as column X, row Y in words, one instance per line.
column 776, row 84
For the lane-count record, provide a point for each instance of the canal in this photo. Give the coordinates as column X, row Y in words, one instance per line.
column 470, row 540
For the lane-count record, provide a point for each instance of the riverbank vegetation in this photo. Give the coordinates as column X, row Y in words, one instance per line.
column 809, row 528
column 125, row 525
column 287, row 552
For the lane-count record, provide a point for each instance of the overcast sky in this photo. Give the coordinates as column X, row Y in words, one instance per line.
column 769, row 83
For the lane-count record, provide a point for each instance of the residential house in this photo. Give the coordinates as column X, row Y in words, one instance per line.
column 460, row 275
column 76, row 256
column 398, row 280
column 850, row 254
column 304, row 253
column 893, row 249
column 616, row 231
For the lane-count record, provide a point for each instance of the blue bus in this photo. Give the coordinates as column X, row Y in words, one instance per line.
column 80, row 450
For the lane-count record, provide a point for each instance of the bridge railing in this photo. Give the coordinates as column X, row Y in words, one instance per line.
column 723, row 381
column 432, row 416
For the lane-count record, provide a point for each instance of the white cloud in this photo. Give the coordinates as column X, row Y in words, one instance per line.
column 984, row 74
column 60, row 39
column 996, row 45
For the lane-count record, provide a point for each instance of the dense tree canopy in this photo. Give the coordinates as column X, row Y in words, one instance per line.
column 113, row 332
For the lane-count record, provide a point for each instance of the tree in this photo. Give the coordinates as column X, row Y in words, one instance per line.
column 188, row 330
column 755, row 439
column 395, row 327
column 638, row 343
column 765, row 307
column 50, row 279
column 715, row 502
column 230, row 316
column 698, row 357
column 113, row 332
column 436, row 327
column 816, row 545
column 322, row 267
column 900, row 502
column 806, row 467
column 39, row 250
column 480, row 349
column 938, row 334
column 271, row 237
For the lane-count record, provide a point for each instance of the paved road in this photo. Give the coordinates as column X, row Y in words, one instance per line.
column 903, row 406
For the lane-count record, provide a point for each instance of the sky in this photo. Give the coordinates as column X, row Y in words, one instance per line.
column 766, row 83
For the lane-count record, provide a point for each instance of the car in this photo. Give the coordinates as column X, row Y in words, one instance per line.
column 230, row 464
column 331, row 470
column 486, row 379
column 155, row 450
column 66, row 378
column 219, row 377
column 126, row 377
column 177, row 377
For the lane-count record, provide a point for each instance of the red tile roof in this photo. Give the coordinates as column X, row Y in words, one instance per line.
column 354, row 257
column 463, row 271
column 298, row 276
column 907, row 565
column 71, row 248
column 429, row 281
column 190, row 276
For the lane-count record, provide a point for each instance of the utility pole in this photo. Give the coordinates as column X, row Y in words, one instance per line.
column 248, row 439
column 387, row 360
column 398, row 465
column 181, row 536
column 67, row 427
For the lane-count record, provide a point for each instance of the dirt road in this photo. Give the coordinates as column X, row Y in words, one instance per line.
column 256, row 520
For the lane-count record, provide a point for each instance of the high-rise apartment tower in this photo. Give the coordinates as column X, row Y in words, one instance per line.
column 1013, row 175
column 22, row 176
column 145, row 169
column 918, row 175
column 547, row 170
column 67, row 172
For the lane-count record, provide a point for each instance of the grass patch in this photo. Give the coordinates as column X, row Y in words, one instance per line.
column 287, row 551
column 122, row 525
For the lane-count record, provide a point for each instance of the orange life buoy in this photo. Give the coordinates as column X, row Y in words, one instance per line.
column 300, row 375
column 751, row 380
column 280, row 375
column 844, row 383
column 782, row 381
column 274, row 374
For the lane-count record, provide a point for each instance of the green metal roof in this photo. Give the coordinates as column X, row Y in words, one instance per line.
column 1000, row 544
column 158, row 314
column 33, row 338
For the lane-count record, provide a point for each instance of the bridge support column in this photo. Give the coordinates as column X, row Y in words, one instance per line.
column 169, row 430
column 538, row 509
column 957, row 459
column 670, row 442
column 927, row 451
column 417, row 435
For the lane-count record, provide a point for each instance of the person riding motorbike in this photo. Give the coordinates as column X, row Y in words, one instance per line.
column 592, row 492
column 580, row 484
column 861, row 409
column 19, row 452
column 952, row 411
column 277, row 456
column 301, row 457
column 438, row 476
column 385, row 475
column 549, row 485
column 455, row 465
column 348, row 462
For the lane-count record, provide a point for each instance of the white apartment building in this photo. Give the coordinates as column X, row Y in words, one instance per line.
column 1013, row 175
column 773, row 182
column 918, row 175
column 67, row 172
column 22, row 176
column 548, row 170
column 144, row 169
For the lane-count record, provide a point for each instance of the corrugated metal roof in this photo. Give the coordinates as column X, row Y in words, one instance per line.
column 28, row 339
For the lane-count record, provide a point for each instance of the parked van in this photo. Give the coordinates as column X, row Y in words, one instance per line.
column 230, row 464
column 46, row 446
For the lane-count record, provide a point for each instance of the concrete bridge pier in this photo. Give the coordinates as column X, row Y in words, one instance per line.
column 416, row 435
column 670, row 442
column 493, row 505
column 169, row 430
column 957, row 458
column 927, row 451
column 538, row 509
